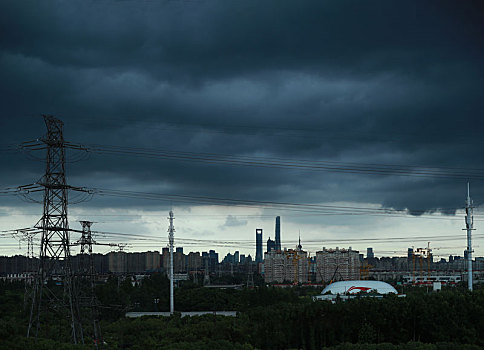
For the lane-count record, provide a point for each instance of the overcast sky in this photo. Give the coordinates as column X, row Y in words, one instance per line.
column 365, row 85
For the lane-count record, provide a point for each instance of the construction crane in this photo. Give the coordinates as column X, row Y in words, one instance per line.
column 422, row 254
column 365, row 271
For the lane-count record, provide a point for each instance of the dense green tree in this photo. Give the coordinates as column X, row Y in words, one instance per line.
column 268, row 318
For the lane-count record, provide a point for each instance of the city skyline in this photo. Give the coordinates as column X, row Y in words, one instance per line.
column 355, row 135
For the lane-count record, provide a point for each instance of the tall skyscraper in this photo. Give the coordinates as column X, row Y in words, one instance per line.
column 258, row 245
column 278, row 233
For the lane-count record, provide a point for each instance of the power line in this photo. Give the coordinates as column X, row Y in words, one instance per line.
column 272, row 130
column 296, row 207
column 298, row 164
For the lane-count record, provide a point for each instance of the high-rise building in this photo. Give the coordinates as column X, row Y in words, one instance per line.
column 369, row 253
column 179, row 261
column 135, row 262
column 290, row 266
column 118, row 262
column 278, row 233
column 410, row 253
column 236, row 257
column 229, row 259
column 271, row 245
column 410, row 258
column 258, row 245
column 194, row 261
column 337, row 264
column 165, row 258
column 210, row 260
column 152, row 260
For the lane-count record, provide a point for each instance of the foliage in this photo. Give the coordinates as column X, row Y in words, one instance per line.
column 268, row 318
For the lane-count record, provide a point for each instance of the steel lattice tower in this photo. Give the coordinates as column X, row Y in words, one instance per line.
column 54, row 257
column 88, row 275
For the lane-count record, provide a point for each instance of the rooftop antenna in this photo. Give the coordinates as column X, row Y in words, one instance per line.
column 469, row 228
column 171, row 238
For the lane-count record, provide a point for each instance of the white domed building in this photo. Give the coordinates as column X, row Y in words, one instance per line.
column 350, row 289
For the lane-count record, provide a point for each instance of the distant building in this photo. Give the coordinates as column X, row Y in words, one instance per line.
column 123, row 262
column 409, row 258
column 228, row 259
column 152, row 261
column 136, row 262
column 337, row 264
column 118, row 262
column 258, row 245
column 271, row 245
column 210, row 260
column 179, row 261
column 290, row 265
column 369, row 253
column 194, row 261
column 278, row 233
column 165, row 258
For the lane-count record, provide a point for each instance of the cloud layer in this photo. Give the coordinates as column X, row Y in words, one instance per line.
column 346, row 81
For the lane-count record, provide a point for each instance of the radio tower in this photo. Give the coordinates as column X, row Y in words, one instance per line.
column 171, row 238
column 469, row 228
column 54, row 257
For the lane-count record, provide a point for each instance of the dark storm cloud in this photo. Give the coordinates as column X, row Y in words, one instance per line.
column 372, row 82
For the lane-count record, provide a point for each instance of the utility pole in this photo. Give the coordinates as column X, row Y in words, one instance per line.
column 469, row 228
column 54, row 257
column 171, row 238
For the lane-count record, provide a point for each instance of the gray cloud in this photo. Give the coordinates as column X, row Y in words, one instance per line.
column 368, row 83
column 231, row 221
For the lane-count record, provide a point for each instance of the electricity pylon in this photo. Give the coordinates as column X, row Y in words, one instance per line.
column 54, row 258
column 27, row 235
column 87, row 280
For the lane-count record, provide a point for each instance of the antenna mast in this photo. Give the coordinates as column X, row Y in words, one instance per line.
column 469, row 228
column 171, row 238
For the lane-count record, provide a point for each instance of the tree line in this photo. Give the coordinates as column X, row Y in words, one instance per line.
column 267, row 318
